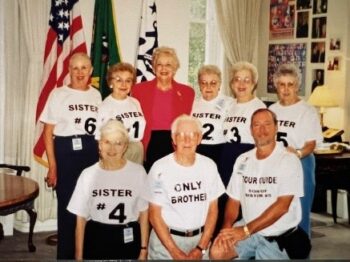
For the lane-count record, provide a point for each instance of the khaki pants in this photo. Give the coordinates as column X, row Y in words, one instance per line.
column 157, row 251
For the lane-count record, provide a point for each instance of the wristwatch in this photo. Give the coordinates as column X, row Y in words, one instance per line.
column 246, row 231
column 202, row 250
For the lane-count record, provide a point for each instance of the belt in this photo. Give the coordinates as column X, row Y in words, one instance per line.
column 187, row 233
column 272, row 238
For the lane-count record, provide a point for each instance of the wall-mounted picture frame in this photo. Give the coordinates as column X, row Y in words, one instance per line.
column 320, row 7
column 334, row 63
column 317, row 78
column 319, row 27
column 286, row 53
column 303, row 4
column 282, row 17
column 302, row 24
column 335, row 44
column 318, row 52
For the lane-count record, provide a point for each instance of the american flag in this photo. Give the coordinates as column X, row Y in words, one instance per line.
column 148, row 41
column 64, row 37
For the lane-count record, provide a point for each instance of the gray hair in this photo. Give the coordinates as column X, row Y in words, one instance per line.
column 287, row 69
column 209, row 69
column 185, row 118
column 114, row 126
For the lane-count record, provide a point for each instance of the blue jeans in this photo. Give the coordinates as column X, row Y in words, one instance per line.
column 308, row 164
column 258, row 247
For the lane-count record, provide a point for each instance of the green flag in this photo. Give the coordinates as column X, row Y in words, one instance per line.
column 104, row 47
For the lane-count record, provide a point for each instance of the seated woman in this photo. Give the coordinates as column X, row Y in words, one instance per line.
column 112, row 216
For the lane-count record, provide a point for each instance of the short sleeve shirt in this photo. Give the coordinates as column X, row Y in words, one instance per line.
column 73, row 112
column 110, row 197
column 257, row 184
column 212, row 115
column 128, row 111
column 297, row 124
column 237, row 121
column 184, row 193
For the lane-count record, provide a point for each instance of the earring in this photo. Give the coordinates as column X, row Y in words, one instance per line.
column 111, row 86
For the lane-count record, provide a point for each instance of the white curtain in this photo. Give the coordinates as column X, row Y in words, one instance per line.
column 2, row 80
column 238, row 23
column 27, row 24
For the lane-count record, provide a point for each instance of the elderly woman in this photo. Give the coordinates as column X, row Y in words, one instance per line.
column 162, row 100
column 236, row 126
column 244, row 79
column 299, row 130
column 184, row 188
column 119, row 105
column 69, row 125
column 211, row 110
column 112, row 217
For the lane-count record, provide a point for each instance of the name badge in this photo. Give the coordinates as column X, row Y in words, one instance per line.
column 77, row 144
column 128, row 235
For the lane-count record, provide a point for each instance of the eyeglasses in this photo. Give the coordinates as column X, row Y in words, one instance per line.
column 206, row 84
column 286, row 84
column 120, row 81
column 244, row 80
column 190, row 135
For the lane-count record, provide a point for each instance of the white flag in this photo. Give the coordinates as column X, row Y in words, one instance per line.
column 148, row 41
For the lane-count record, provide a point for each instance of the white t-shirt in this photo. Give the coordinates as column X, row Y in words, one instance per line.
column 212, row 115
column 128, row 111
column 184, row 193
column 297, row 124
column 73, row 112
column 257, row 184
column 237, row 121
column 110, row 197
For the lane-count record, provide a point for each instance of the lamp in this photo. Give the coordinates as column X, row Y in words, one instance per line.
column 322, row 97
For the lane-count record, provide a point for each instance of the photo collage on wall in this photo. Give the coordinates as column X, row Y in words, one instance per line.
column 286, row 53
column 306, row 19
column 283, row 26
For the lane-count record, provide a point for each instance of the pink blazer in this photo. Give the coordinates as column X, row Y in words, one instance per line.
column 183, row 97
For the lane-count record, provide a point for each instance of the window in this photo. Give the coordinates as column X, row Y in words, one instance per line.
column 204, row 43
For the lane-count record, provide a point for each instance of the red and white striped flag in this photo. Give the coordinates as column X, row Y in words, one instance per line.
column 64, row 37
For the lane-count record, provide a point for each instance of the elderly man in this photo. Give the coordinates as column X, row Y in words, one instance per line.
column 267, row 182
column 184, row 188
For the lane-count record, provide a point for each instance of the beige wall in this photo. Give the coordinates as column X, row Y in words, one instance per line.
column 337, row 26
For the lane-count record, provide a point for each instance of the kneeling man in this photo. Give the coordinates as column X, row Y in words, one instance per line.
column 267, row 182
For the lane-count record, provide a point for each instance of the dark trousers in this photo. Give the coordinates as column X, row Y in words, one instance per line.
column 229, row 154
column 70, row 164
column 106, row 242
column 211, row 151
column 159, row 146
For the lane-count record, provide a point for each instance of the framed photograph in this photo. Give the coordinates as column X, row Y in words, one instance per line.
column 318, row 52
column 286, row 53
column 282, row 19
column 335, row 44
column 319, row 27
column 303, row 4
column 319, row 7
column 303, row 24
column 317, row 78
column 334, row 63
